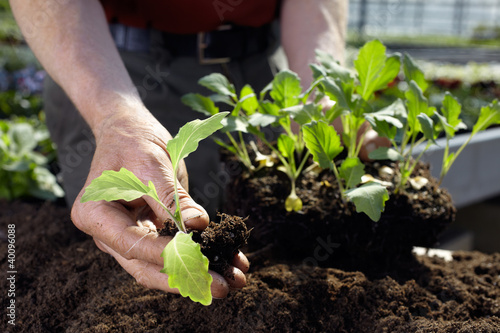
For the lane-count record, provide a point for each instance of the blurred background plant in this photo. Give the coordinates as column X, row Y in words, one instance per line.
column 27, row 155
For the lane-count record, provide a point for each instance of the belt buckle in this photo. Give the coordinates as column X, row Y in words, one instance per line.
column 202, row 45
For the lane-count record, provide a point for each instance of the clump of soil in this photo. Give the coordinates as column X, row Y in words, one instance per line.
column 325, row 223
column 64, row 283
column 219, row 242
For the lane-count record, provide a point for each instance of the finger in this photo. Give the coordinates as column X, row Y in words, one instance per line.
column 235, row 278
column 145, row 273
column 149, row 275
column 241, row 262
column 116, row 228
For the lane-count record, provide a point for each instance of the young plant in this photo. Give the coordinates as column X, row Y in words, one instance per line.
column 413, row 122
column 25, row 153
column 184, row 263
column 251, row 113
column 324, row 143
column 289, row 104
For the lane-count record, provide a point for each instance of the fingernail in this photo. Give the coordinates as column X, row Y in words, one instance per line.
column 193, row 217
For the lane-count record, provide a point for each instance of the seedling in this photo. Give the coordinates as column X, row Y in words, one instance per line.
column 185, row 264
column 249, row 114
column 413, row 122
column 315, row 135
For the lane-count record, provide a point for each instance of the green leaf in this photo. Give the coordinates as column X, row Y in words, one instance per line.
column 234, row 124
column 489, row 115
column 304, row 114
column 416, row 104
column 200, row 103
column 267, row 107
column 23, row 137
column 451, row 111
column 186, row 141
column 216, row 98
column 286, row 89
column 369, row 199
column 265, row 90
column 318, row 71
column 187, row 268
column 16, row 166
column 389, row 72
column 334, row 112
column 375, row 71
column 248, row 100
column 386, row 121
column 286, row 145
column 414, row 73
column 382, row 127
column 219, row 84
column 443, row 125
column 262, row 120
column 331, row 67
column 385, row 153
column 47, row 187
column 333, row 89
column 351, row 170
column 427, row 126
column 323, row 142
column 118, row 185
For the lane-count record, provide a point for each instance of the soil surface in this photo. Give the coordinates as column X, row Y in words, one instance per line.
column 65, row 284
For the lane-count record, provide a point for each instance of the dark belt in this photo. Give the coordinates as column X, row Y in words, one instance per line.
column 215, row 47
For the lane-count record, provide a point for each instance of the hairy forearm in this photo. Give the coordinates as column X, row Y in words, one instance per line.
column 71, row 39
column 307, row 25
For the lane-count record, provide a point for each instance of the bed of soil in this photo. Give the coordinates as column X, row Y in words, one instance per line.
column 353, row 241
column 65, row 284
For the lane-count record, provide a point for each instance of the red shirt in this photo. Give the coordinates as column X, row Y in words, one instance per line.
column 189, row 16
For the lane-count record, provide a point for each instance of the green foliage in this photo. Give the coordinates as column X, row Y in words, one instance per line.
column 186, row 142
column 16, row 103
column 416, row 122
column 323, row 142
column 369, row 199
column 119, row 185
column 187, row 268
column 25, row 155
column 184, row 262
column 410, row 120
column 375, row 69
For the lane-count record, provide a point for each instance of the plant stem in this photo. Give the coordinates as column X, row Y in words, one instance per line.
column 429, row 143
column 446, row 166
column 339, row 181
column 302, row 163
column 405, row 165
column 180, row 223
column 242, row 155
column 360, row 143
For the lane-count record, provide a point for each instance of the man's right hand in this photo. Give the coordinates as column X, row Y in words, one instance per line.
column 125, row 229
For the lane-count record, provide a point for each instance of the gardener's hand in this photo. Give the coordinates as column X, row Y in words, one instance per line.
column 139, row 144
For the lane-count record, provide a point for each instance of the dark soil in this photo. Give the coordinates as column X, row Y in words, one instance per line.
column 219, row 242
column 65, row 284
column 326, row 224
